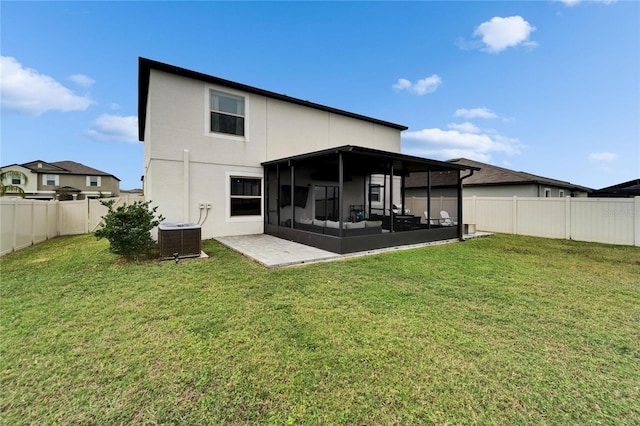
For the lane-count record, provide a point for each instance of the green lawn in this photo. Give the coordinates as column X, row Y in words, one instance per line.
column 501, row 330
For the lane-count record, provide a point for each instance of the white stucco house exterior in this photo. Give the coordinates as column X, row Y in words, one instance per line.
column 214, row 148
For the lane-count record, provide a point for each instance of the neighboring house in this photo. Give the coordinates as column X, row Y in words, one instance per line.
column 493, row 181
column 64, row 180
column 241, row 160
column 621, row 190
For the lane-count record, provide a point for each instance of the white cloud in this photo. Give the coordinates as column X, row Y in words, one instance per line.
column 603, row 156
column 464, row 127
column 82, row 80
column 421, row 87
column 114, row 128
column 501, row 33
column 25, row 90
column 475, row 113
column 455, row 143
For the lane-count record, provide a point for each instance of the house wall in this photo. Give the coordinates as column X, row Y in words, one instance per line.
column 186, row 165
column 528, row 190
column 108, row 185
column 31, row 185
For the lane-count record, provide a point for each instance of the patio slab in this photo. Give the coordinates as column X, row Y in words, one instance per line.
column 274, row 252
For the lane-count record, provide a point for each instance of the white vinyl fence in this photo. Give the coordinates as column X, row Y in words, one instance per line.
column 27, row 222
column 600, row 220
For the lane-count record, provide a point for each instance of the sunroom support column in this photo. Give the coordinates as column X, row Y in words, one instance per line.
column 292, row 169
column 340, row 192
column 278, row 194
column 429, row 198
column 460, row 225
column 391, row 214
column 402, row 197
column 265, row 192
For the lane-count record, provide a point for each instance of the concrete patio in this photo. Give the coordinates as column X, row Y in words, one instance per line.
column 274, row 252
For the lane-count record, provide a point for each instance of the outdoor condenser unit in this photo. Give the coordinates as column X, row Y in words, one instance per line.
column 179, row 240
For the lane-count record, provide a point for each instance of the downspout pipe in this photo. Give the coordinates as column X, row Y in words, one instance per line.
column 460, row 224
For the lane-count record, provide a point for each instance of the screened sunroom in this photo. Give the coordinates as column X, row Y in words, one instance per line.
column 350, row 199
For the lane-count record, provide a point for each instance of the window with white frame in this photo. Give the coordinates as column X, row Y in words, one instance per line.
column 94, row 181
column 246, row 196
column 561, row 193
column 50, row 180
column 547, row 192
column 16, row 180
column 227, row 113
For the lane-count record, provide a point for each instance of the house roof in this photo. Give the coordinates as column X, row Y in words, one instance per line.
column 63, row 167
column 624, row 189
column 145, row 66
column 377, row 161
column 490, row 175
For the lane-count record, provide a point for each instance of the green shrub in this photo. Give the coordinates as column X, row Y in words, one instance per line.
column 128, row 229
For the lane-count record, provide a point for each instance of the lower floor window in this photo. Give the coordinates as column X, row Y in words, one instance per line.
column 246, row 196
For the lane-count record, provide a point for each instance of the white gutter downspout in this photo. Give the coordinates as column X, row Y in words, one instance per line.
column 460, row 222
column 185, row 186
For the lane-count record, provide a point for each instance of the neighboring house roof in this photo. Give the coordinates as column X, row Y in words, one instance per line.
column 625, row 189
column 490, row 175
column 63, row 167
column 145, row 66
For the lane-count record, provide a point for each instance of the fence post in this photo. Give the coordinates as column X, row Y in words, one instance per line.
column 514, row 213
column 86, row 212
column 15, row 225
column 33, row 222
column 636, row 221
column 567, row 218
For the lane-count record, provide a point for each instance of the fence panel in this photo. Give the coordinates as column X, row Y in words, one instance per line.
column 52, row 220
column 495, row 214
column 604, row 220
column 40, row 222
column 541, row 217
column 7, row 225
column 26, row 222
column 23, row 220
column 73, row 218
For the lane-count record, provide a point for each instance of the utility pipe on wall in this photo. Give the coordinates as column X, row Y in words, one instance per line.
column 185, row 186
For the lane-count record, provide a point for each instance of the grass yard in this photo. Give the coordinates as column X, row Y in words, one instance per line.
column 501, row 330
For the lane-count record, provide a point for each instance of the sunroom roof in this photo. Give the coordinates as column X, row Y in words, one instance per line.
column 372, row 160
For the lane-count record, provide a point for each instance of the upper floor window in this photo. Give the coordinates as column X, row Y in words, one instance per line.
column 16, row 181
column 94, row 181
column 227, row 113
column 51, row 180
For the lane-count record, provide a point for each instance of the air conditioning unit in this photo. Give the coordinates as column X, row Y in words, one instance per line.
column 179, row 240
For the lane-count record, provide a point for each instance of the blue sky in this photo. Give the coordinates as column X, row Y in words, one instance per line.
column 547, row 87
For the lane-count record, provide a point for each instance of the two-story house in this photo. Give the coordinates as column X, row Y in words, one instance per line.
column 238, row 160
column 63, row 180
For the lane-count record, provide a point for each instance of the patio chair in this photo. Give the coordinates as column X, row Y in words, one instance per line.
column 446, row 220
column 431, row 221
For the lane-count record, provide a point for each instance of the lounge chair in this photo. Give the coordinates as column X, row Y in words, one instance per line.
column 446, row 220
column 431, row 220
